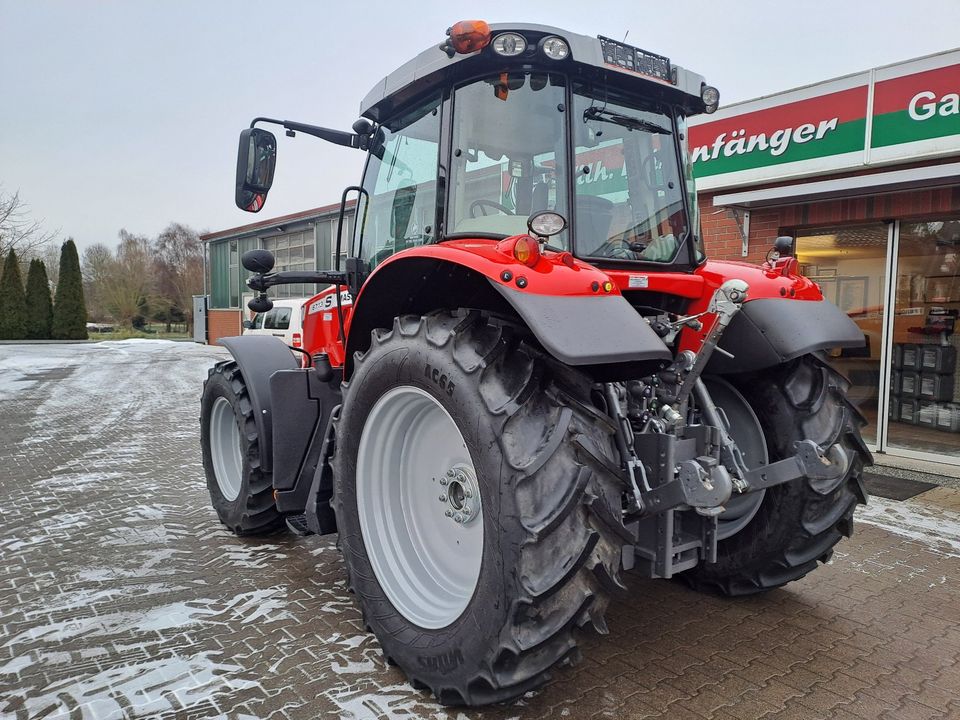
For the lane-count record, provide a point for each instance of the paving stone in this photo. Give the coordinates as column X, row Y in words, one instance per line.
column 120, row 593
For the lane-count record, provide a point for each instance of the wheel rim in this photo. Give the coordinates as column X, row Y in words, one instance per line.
column 419, row 505
column 747, row 432
column 225, row 449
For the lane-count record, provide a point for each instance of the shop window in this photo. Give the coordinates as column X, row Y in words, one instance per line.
column 849, row 265
column 925, row 392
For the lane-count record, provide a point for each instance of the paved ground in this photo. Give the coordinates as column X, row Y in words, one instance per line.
column 120, row 596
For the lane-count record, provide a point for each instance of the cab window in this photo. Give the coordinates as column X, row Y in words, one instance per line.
column 508, row 154
column 629, row 190
column 398, row 210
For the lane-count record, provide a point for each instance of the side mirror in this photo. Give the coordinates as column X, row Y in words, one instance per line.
column 256, row 160
column 261, row 303
column 784, row 246
column 247, row 324
column 257, row 261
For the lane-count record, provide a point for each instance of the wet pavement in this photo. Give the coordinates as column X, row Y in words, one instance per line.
column 121, row 596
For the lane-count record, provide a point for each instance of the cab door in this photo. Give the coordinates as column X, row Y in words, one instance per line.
column 398, row 206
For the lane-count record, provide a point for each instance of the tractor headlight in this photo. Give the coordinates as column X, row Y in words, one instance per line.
column 711, row 98
column 555, row 48
column 509, row 44
column 546, row 224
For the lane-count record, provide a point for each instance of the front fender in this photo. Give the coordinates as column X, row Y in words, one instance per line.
column 259, row 357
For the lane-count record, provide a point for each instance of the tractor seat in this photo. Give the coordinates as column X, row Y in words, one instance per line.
column 594, row 217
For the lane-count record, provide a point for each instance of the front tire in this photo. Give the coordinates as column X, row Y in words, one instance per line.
column 458, row 396
column 240, row 492
column 797, row 523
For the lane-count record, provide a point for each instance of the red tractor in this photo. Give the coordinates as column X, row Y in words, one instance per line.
column 528, row 379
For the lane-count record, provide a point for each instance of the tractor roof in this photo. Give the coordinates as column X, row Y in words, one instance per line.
column 606, row 60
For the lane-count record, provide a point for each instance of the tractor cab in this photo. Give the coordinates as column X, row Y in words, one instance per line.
column 499, row 124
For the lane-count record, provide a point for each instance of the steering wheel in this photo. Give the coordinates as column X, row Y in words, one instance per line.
column 483, row 202
column 616, row 247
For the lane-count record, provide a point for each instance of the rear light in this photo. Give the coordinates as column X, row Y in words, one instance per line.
column 297, row 340
column 522, row 248
column 468, row 36
column 526, row 250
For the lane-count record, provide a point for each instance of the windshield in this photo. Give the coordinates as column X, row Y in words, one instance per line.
column 629, row 190
column 508, row 154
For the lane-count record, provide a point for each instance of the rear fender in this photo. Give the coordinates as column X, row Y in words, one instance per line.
column 259, row 357
column 771, row 331
column 785, row 316
column 596, row 330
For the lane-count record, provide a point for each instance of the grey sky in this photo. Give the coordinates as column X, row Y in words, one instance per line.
column 125, row 114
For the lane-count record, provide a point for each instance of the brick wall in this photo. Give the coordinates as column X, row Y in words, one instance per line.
column 222, row 323
column 722, row 234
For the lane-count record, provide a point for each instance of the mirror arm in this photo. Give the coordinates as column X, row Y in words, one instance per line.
column 260, row 283
column 337, row 137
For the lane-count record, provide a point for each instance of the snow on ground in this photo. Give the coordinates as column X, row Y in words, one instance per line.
column 935, row 527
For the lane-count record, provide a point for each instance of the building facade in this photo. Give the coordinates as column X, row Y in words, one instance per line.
column 864, row 172
column 301, row 241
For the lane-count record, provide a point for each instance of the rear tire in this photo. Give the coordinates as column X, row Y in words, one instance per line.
column 798, row 523
column 241, row 493
column 551, row 530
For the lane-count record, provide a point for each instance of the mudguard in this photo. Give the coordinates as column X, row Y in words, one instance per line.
column 771, row 331
column 560, row 299
column 304, row 403
column 259, row 357
column 587, row 330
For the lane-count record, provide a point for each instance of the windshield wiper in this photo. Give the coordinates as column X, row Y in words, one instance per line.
column 633, row 123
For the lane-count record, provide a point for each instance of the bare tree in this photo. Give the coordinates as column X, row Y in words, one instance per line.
column 96, row 267
column 178, row 259
column 50, row 254
column 18, row 231
column 124, row 282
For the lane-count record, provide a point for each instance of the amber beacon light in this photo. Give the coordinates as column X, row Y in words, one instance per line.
column 468, row 36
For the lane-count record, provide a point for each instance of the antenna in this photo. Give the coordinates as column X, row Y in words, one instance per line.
column 625, row 36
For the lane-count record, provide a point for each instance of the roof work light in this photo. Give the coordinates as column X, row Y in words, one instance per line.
column 509, row 44
column 555, row 48
column 711, row 98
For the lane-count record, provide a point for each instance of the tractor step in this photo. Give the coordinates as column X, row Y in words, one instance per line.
column 298, row 525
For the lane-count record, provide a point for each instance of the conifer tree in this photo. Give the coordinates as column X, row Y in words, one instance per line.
column 69, row 310
column 13, row 305
column 39, row 320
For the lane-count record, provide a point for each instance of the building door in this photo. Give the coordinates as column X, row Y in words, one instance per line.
column 850, row 265
column 924, row 405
